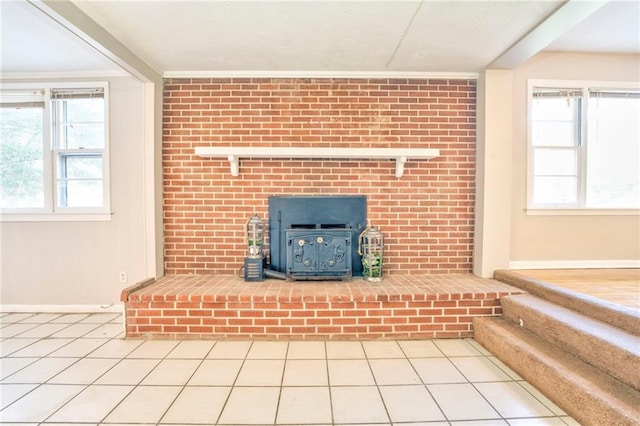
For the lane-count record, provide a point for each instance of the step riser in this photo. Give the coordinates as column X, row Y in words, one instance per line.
column 617, row 354
column 588, row 403
column 619, row 316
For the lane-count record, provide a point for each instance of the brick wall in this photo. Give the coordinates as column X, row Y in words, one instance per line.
column 426, row 215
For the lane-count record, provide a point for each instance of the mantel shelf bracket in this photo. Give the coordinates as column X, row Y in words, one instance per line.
column 400, row 166
column 234, row 163
column 233, row 154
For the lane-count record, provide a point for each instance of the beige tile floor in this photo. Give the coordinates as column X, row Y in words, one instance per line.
column 76, row 370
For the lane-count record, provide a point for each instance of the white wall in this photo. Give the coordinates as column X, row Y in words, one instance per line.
column 492, row 236
column 567, row 240
column 78, row 263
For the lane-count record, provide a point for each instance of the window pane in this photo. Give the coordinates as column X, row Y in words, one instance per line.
column 80, row 193
column 80, row 123
column 613, row 152
column 554, row 133
column 554, row 190
column 555, row 121
column 82, row 135
column 84, row 110
column 556, row 108
column 21, row 157
column 555, row 162
column 73, row 166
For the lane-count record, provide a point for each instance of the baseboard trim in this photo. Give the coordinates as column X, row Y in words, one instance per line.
column 574, row 264
column 66, row 309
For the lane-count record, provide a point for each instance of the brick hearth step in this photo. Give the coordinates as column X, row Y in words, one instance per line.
column 226, row 307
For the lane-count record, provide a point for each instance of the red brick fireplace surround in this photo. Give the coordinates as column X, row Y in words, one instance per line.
column 226, row 307
column 426, row 215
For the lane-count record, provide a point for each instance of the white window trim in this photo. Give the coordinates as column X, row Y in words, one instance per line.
column 564, row 209
column 50, row 212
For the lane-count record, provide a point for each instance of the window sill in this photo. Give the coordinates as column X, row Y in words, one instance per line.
column 55, row 217
column 582, row 212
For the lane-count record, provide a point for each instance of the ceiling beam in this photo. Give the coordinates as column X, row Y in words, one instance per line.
column 557, row 24
column 73, row 19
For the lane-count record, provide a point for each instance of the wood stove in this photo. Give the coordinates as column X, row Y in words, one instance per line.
column 316, row 238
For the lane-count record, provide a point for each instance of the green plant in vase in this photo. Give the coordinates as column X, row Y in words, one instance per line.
column 255, row 247
column 372, row 265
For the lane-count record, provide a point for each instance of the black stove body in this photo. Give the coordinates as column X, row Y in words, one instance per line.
column 316, row 238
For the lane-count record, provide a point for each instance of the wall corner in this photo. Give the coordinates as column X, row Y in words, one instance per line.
column 492, row 237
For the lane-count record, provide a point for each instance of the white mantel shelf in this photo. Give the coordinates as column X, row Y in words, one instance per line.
column 233, row 154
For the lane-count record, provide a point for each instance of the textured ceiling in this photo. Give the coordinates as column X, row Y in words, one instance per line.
column 366, row 36
column 373, row 36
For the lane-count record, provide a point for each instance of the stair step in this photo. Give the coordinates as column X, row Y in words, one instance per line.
column 621, row 317
column 610, row 349
column 589, row 395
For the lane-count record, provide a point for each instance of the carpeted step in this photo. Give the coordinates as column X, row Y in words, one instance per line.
column 589, row 395
column 608, row 348
column 621, row 317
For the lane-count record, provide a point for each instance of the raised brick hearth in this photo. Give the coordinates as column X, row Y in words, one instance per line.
column 226, row 307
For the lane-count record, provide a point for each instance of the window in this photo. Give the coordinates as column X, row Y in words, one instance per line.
column 54, row 150
column 22, row 150
column 584, row 150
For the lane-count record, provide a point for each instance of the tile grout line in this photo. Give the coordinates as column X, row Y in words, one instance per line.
column 138, row 384
column 326, row 363
column 517, row 381
column 45, row 382
column 133, row 387
column 86, row 356
column 375, row 381
column 481, row 355
column 233, row 385
column 284, row 370
column 511, row 380
column 435, row 401
column 37, row 339
column 365, row 357
column 204, row 357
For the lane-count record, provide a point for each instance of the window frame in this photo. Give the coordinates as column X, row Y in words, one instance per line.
column 579, row 207
column 51, row 155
